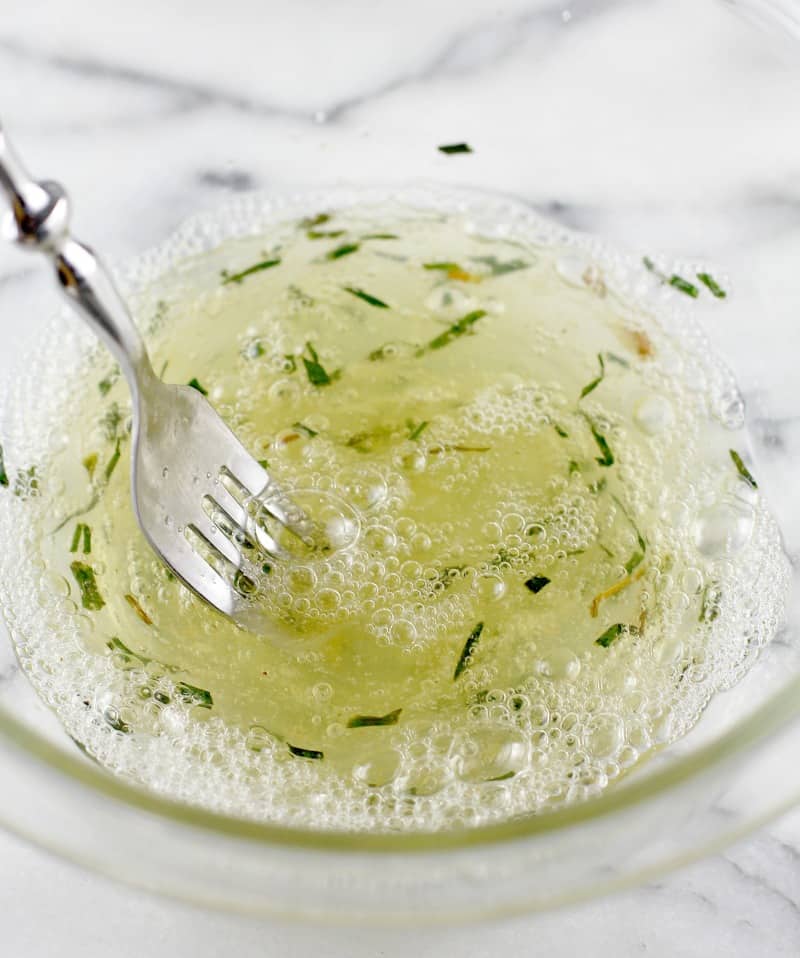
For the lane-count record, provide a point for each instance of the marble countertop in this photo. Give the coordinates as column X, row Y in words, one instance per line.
column 154, row 110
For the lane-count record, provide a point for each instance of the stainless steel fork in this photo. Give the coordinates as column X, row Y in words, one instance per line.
column 197, row 492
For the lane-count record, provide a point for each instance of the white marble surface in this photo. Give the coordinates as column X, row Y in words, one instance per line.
column 153, row 110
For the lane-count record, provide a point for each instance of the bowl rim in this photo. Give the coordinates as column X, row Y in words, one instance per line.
column 261, row 209
column 741, row 739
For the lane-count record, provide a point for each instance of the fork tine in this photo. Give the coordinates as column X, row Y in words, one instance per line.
column 272, row 499
column 195, row 572
column 204, row 526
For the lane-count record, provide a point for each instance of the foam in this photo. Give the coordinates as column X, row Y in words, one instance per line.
column 575, row 724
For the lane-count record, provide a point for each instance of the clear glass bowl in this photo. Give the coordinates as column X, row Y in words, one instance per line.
column 664, row 127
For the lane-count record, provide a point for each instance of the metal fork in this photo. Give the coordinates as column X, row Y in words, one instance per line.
column 203, row 502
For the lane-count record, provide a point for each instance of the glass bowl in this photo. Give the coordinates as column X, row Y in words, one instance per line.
column 663, row 127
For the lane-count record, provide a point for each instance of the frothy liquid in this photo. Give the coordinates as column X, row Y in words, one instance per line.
column 545, row 557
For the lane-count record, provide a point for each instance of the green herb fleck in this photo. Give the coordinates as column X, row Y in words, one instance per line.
column 3, row 473
column 256, row 268
column 536, row 583
column 500, row 267
column 192, row 695
column 316, row 372
column 264, row 463
column 612, row 633
column 87, row 583
column 574, row 467
column 305, row 752
column 307, row 431
column 90, row 464
column 364, row 721
column 619, row 360
column 742, row 469
column 638, row 557
column 607, row 458
column 460, row 328
column 414, row 432
column 466, row 652
column 597, row 380
column 451, row 148
column 380, row 236
column 635, row 560
column 117, row 645
column 82, row 532
column 367, row 297
column 309, row 222
column 561, row 431
column 679, row 283
column 711, row 284
column 324, row 234
column 112, row 462
column 195, row 384
column 291, row 363
column 105, row 385
column 111, row 422
column 344, row 250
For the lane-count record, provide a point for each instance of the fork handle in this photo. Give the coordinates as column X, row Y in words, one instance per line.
column 40, row 215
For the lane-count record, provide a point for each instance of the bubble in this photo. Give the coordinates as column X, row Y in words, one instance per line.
column 725, row 527
column 653, row 415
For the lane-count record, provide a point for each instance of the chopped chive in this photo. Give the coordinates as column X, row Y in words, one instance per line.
column 105, row 385
column 344, row 250
column 195, row 384
column 451, row 148
column 82, row 532
column 90, row 464
column 117, row 645
column 256, row 268
column 111, row 422
column 291, row 363
column 613, row 633
column 711, row 284
column 3, row 473
column 679, row 283
column 305, row 752
column 133, row 602
column 561, row 431
column 324, row 234
column 264, row 463
column 742, row 469
column 367, row 297
column 192, row 695
column 309, row 222
column 454, row 271
column 460, row 328
column 635, row 560
column 364, row 721
column 597, row 380
column 112, row 462
column 574, row 467
column 466, row 652
column 316, row 372
column 536, row 583
column 619, row 360
column 607, row 458
column 305, row 430
column 266, row 568
column 416, row 431
column 500, row 267
column 380, row 236
column 76, row 538
column 87, row 583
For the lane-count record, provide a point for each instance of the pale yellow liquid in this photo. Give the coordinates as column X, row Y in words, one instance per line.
column 439, row 529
